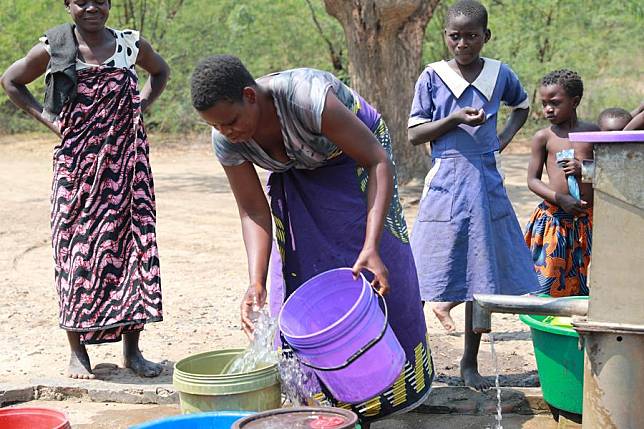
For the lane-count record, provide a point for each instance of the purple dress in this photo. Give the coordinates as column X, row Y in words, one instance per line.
column 319, row 205
column 466, row 238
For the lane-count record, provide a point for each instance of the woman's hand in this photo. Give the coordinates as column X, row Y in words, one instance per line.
column 370, row 259
column 54, row 127
column 253, row 300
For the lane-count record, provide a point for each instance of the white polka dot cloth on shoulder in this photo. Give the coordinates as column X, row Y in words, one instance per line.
column 125, row 53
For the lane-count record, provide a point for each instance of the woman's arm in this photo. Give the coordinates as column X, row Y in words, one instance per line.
column 256, row 224
column 159, row 72
column 22, row 72
column 430, row 131
column 514, row 123
column 344, row 129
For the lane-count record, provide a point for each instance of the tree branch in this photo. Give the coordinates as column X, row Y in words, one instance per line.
column 336, row 57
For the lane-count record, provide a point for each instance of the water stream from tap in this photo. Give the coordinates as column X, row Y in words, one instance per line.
column 498, row 417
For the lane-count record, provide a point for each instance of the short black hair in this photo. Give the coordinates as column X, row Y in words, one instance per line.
column 218, row 78
column 621, row 115
column 66, row 2
column 569, row 80
column 469, row 8
column 615, row 112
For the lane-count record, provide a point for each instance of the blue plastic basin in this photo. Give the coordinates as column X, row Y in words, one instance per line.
column 214, row 420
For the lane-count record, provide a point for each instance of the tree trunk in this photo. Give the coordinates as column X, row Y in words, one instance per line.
column 385, row 39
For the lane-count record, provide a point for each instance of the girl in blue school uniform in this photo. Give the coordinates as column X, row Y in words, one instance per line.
column 466, row 238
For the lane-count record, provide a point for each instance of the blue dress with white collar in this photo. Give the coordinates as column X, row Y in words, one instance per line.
column 466, row 238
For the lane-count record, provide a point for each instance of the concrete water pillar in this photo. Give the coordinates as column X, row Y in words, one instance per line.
column 613, row 332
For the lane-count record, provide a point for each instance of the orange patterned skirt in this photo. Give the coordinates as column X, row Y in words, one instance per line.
column 560, row 244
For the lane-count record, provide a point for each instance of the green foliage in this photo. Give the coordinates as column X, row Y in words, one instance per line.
column 17, row 36
column 267, row 35
column 602, row 40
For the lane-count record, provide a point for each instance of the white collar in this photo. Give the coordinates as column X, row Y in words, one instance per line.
column 484, row 82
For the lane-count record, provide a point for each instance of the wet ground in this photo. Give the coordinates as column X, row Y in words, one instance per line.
column 96, row 415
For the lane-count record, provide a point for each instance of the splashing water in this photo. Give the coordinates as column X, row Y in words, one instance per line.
column 498, row 417
column 299, row 383
column 260, row 352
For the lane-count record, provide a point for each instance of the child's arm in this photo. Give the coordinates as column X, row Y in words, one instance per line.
column 637, row 123
column 430, row 131
column 538, row 158
column 638, row 110
column 22, row 72
column 159, row 71
column 514, row 96
column 512, row 126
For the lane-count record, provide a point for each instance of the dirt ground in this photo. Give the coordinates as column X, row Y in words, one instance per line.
column 203, row 269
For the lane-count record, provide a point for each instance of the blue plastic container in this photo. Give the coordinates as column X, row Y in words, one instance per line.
column 214, row 420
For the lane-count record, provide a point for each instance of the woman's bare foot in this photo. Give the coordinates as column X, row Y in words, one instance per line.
column 80, row 366
column 141, row 366
column 472, row 378
column 133, row 359
column 441, row 310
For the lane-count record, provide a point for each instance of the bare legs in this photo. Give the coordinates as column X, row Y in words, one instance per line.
column 469, row 361
column 441, row 310
column 81, row 368
column 133, row 359
column 79, row 364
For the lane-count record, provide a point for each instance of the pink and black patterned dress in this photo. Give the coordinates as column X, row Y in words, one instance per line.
column 103, row 209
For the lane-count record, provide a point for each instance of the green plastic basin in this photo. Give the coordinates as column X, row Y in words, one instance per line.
column 560, row 362
column 203, row 387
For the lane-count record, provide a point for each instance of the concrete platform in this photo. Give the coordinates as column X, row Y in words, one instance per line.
column 443, row 400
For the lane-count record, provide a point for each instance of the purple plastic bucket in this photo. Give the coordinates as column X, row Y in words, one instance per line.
column 335, row 326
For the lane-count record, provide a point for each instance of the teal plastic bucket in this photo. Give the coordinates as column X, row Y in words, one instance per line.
column 215, row 420
column 560, row 362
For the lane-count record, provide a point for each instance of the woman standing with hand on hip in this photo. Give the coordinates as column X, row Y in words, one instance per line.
column 103, row 209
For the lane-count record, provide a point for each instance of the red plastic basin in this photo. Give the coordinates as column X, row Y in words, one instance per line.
column 33, row 418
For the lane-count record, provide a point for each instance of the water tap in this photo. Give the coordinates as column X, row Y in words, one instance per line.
column 587, row 170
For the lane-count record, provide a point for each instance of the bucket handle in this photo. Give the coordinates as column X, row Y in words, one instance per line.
column 362, row 350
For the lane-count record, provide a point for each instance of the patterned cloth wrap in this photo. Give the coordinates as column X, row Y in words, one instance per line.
column 560, row 244
column 103, row 207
